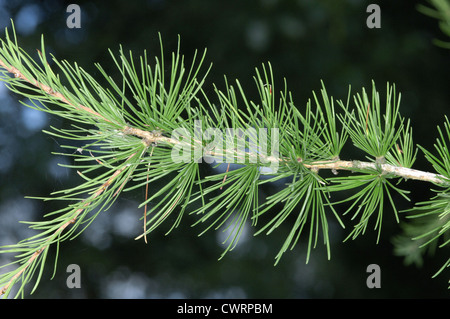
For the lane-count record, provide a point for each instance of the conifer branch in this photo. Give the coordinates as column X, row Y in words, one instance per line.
column 156, row 137
column 122, row 132
column 398, row 171
column 72, row 219
column 47, row 89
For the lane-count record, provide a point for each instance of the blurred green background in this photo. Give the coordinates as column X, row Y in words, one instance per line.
column 306, row 41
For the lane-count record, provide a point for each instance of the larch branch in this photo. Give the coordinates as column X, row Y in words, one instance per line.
column 64, row 225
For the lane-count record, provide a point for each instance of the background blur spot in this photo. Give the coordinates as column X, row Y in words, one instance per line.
column 27, row 19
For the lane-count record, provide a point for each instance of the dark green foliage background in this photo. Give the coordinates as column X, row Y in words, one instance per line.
column 305, row 41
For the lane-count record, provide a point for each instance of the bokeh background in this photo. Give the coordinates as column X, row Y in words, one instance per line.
column 306, row 41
